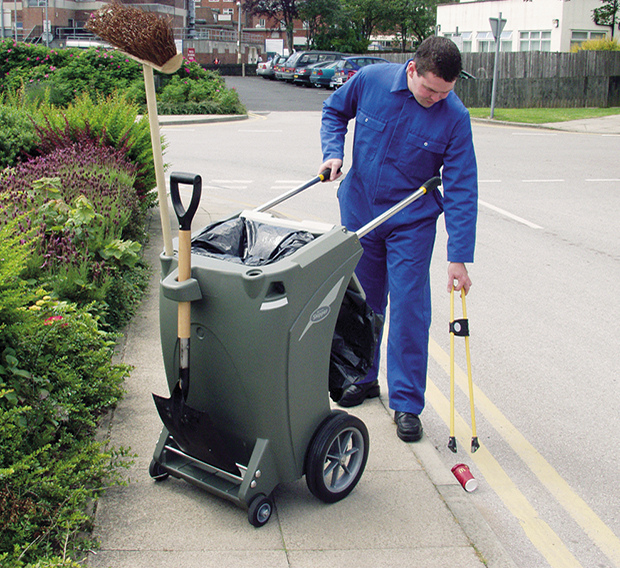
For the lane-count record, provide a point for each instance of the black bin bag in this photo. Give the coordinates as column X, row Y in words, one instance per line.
column 248, row 242
column 358, row 328
column 356, row 339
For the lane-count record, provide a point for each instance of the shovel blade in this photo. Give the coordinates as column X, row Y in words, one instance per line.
column 194, row 431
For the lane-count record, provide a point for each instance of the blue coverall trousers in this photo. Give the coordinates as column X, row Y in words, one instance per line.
column 396, row 261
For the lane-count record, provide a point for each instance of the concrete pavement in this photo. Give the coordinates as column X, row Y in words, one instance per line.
column 408, row 509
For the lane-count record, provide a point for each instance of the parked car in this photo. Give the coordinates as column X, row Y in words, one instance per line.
column 302, row 74
column 278, row 67
column 321, row 76
column 348, row 66
column 266, row 69
column 303, row 59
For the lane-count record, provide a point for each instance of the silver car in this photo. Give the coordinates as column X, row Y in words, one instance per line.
column 266, row 69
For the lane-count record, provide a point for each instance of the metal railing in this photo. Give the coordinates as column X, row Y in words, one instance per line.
column 209, row 34
column 217, row 34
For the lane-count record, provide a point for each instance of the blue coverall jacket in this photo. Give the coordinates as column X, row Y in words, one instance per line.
column 398, row 145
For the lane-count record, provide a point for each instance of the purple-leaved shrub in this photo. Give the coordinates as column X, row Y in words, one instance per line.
column 79, row 199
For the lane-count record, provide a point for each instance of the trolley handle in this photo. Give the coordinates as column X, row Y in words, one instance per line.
column 323, row 176
column 427, row 187
column 185, row 217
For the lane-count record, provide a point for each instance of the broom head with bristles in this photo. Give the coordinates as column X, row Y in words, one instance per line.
column 144, row 36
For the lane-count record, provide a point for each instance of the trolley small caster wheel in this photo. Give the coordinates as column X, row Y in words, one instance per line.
column 336, row 457
column 260, row 510
column 157, row 472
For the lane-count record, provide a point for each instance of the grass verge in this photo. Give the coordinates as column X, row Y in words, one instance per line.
column 542, row 115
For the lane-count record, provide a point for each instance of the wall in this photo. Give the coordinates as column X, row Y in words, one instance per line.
column 539, row 15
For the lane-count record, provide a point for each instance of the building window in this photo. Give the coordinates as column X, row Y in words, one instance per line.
column 261, row 22
column 505, row 41
column 535, row 41
column 486, row 41
column 229, row 11
column 579, row 37
column 462, row 40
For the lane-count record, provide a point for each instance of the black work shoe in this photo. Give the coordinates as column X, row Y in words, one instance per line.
column 409, row 427
column 358, row 393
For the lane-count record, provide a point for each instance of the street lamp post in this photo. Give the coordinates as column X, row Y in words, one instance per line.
column 47, row 27
column 238, row 32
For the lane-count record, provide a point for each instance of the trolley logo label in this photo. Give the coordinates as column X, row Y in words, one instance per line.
column 324, row 308
column 320, row 314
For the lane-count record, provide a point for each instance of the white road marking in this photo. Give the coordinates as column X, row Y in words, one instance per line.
column 509, row 215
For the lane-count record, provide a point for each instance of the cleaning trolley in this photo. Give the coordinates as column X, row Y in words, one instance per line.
column 257, row 299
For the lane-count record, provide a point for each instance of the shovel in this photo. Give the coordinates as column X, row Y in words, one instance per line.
column 193, row 430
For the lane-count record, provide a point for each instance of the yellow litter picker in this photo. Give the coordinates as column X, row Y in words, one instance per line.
column 460, row 327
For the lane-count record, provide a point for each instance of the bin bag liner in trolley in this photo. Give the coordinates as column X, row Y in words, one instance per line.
column 356, row 339
column 248, row 242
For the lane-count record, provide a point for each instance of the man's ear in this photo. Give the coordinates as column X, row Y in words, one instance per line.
column 411, row 68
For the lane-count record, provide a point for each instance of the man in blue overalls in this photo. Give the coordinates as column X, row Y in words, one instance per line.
column 409, row 127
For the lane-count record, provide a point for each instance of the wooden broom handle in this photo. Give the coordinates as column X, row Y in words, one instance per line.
column 151, row 104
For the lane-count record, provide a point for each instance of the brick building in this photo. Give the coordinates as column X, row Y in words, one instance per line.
column 209, row 28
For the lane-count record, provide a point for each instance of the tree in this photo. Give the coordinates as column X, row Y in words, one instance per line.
column 284, row 12
column 607, row 15
column 366, row 15
column 323, row 18
column 412, row 20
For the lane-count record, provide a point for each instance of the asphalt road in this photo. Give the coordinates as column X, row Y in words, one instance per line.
column 543, row 311
column 260, row 95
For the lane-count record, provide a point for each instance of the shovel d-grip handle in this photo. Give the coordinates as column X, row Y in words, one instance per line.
column 185, row 217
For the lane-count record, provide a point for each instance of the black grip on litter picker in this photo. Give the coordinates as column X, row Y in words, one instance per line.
column 185, row 217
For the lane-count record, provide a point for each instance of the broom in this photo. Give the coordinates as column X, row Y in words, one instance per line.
column 148, row 39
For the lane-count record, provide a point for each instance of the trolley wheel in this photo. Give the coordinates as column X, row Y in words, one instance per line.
column 336, row 457
column 260, row 509
column 157, row 472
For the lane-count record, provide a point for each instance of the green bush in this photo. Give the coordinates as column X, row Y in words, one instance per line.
column 604, row 44
column 81, row 202
column 194, row 90
column 56, row 379
column 58, row 76
column 113, row 121
column 17, row 135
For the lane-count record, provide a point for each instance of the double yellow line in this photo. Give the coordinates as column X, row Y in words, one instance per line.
column 538, row 531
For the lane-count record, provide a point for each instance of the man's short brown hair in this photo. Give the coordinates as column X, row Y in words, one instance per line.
column 440, row 56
